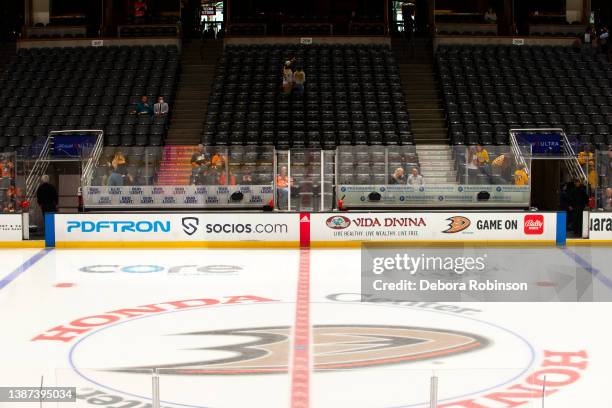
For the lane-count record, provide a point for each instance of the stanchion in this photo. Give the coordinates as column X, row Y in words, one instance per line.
column 155, row 391
column 433, row 392
column 543, row 391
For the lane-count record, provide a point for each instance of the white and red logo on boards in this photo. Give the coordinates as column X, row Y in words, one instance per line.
column 534, row 224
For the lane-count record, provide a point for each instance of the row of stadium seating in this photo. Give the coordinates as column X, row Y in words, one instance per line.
column 489, row 89
column 353, row 95
column 47, row 89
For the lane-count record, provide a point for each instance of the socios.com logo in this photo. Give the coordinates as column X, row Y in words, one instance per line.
column 118, row 226
column 190, row 225
column 338, row 222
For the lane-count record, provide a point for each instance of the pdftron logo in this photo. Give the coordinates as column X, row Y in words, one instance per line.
column 457, row 224
column 118, row 226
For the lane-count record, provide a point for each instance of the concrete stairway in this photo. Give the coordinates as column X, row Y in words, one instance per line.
column 421, row 90
column 197, row 75
column 437, row 164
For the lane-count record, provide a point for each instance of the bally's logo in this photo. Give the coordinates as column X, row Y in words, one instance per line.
column 118, row 226
column 457, row 224
column 534, row 224
column 338, row 222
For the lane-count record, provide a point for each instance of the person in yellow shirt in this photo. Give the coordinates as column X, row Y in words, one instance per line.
column 521, row 178
column 587, row 161
column 482, row 155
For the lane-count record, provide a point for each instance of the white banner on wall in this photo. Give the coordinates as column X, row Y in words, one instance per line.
column 450, row 226
column 600, row 226
column 210, row 227
column 10, row 227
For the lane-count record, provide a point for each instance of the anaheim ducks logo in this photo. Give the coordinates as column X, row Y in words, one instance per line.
column 457, row 224
column 266, row 349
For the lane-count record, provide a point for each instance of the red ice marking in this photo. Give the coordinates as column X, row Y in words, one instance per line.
column 64, row 285
column 304, row 230
column 300, row 367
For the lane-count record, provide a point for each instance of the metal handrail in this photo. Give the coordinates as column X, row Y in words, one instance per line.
column 571, row 159
column 39, row 168
column 93, row 159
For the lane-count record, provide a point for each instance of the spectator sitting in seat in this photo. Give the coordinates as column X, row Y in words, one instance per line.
column 502, row 163
column 140, row 11
column 199, row 159
column 607, row 199
column 246, row 178
column 225, row 181
column 144, row 107
column 398, row 177
column 587, row 161
column 282, row 187
column 415, row 179
column 482, row 159
column 161, row 107
column 118, row 170
column 287, row 79
column 490, row 16
column 482, row 156
column 7, row 169
column 290, row 63
column 299, row 77
column 521, row 178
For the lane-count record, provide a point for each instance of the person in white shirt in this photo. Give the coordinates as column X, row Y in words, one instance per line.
column 161, row 107
column 415, row 179
column 490, row 16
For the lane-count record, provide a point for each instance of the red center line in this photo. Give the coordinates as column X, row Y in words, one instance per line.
column 300, row 372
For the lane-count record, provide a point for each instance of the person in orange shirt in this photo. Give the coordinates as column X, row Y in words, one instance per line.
column 224, row 180
column 283, row 182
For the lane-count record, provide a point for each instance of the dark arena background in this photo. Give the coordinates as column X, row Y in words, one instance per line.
column 327, row 203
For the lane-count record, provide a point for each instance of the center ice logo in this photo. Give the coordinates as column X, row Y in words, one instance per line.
column 344, row 347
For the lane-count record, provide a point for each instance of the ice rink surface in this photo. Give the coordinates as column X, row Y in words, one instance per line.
column 287, row 328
